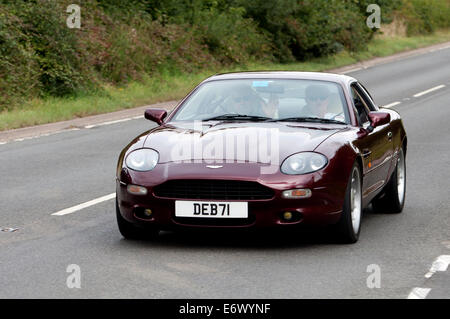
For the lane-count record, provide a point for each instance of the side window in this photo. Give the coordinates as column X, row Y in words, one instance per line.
column 366, row 96
column 360, row 106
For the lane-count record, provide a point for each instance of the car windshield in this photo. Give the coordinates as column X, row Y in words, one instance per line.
column 266, row 99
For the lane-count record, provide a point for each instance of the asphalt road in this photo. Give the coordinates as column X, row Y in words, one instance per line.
column 47, row 174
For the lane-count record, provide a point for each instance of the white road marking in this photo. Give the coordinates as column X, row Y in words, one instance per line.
column 109, row 122
column 440, row 264
column 116, row 121
column 8, row 229
column 391, row 105
column 419, row 293
column 40, row 135
column 443, row 48
column 73, row 209
column 351, row 70
column 429, row 90
column 438, row 49
column 71, row 129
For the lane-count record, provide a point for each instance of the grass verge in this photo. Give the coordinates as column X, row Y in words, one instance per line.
column 172, row 86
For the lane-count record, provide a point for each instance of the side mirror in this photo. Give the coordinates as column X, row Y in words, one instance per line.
column 155, row 115
column 377, row 119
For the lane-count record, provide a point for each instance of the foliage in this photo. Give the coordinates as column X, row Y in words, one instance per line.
column 124, row 41
column 425, row 16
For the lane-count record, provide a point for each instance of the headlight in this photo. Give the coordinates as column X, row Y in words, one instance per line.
column 303, row 163
column 143, row 159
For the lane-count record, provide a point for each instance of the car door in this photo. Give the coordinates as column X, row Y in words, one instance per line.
column 376, row 146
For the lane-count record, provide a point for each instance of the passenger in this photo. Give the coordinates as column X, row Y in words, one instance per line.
column 244, row 101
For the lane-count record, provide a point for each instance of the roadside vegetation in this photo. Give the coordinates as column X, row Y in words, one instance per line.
column 137, row 52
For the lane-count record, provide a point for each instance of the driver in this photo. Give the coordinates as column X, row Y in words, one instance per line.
column 317, row 102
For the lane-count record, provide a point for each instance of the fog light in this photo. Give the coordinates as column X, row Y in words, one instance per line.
column 143, row 213
column 297, row 193
column 291, row 217
column 148, row 212
column 287, row 215
column 136, row 190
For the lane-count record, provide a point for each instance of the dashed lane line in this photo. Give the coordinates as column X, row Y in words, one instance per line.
column 352, row 70
column 419, row 293
column 72, row 129
column 440, row 264
column 429, row 90
column 391, row 105
column 114, row 122
column 76, row 208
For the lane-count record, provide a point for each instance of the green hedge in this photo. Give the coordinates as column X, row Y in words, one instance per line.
column 425, row 16
column 120, row 41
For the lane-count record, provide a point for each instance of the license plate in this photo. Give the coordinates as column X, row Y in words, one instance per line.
column 211, row 209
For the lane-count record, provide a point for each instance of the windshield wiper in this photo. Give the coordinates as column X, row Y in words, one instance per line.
column 308, row 119
column 238, row 117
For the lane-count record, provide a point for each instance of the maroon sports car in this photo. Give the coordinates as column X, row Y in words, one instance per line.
column 264, row 149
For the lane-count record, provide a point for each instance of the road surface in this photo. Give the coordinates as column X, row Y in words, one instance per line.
column 46, row 175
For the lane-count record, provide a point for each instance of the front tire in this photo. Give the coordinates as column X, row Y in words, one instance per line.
column 130, row 231
column 349, row 225
column 392, row 199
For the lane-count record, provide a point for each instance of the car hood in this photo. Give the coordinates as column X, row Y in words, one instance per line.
column 236, row 141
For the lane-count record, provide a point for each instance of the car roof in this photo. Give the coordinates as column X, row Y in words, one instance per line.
column 323, row 76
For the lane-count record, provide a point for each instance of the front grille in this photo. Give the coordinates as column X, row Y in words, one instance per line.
column 213, row 189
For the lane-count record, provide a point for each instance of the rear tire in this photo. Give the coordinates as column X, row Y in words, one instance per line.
column 392, row 198
column 130, row 231
column 349, row 225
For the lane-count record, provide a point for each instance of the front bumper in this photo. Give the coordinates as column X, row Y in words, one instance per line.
column 322, row 208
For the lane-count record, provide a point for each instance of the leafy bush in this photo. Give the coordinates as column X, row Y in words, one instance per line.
column 122, row 52
column 230, row 37
column 331, row 26
column 54, row 45
column 425, row 16
column 309, row 28
column 19, row 72
column 120, row 41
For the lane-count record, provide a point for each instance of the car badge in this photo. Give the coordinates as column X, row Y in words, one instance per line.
column 214, row 166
